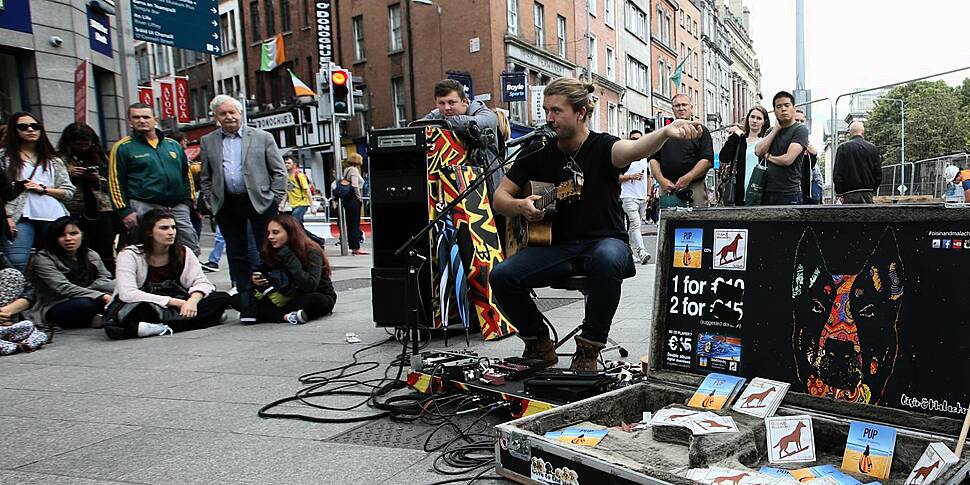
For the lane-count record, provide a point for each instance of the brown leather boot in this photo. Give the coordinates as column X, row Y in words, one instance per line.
column 587, row 354
column 540, row 348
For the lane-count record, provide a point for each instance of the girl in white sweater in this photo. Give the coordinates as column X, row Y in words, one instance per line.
column 159, row 285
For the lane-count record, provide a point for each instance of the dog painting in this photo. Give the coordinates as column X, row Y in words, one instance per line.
column 845, row 334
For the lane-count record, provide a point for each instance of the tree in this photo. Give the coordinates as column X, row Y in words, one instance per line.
column 936, row 121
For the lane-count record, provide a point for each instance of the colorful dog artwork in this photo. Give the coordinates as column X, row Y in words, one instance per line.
column 845, row 334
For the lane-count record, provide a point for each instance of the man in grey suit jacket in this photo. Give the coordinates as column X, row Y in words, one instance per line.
column 243, row 180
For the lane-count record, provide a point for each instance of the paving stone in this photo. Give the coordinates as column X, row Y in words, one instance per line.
column 23, row 478
column 28, row 440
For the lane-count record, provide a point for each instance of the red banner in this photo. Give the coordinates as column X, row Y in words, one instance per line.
column 81, row 93
column 182, row 111
column 145, row 95
column 168, row 100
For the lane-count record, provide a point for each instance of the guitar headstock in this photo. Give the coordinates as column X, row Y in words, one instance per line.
column 569, row 189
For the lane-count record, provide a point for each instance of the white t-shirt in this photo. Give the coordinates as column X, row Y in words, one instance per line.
column 41, row 207
column 635, row 189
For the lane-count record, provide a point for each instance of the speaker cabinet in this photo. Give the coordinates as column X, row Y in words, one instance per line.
column 389, row 294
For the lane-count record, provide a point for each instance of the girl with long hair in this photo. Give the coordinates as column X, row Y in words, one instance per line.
column 160, row 287
column 71, row 282
column 293, row 284
column 737, row 156
column 41, row 184
column 83, row 154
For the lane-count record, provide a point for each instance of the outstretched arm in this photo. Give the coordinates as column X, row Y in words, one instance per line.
column 626, row 151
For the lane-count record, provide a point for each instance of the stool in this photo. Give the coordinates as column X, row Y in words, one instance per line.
column 580, row 283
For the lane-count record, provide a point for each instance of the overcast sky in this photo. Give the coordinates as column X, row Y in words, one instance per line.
column 858, row 44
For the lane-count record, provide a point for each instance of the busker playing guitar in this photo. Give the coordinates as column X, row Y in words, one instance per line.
column 588, row 235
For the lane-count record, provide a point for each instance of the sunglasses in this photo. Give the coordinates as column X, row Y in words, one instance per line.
column 26, row 126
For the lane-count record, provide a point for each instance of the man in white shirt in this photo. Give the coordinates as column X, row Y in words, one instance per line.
column 633, row 196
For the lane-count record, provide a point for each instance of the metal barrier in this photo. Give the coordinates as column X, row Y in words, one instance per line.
column 922, row 177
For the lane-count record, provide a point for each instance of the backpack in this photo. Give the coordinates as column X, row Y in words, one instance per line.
column 344, row 189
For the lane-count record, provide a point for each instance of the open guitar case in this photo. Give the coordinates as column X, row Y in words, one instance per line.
column 924, row 397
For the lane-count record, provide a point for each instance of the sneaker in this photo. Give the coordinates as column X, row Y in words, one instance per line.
column 148, row 329
column 643, row 256
column 296, row 318
column 210, row 267
column 97, row 321
column 359, row 252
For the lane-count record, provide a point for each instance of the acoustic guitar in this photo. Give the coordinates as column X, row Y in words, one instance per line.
column 521, row 233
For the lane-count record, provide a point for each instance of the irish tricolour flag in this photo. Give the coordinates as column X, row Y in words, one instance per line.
column 299, row 87
column 273, row 54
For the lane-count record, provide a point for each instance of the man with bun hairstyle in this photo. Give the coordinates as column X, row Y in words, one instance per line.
column 588, row 235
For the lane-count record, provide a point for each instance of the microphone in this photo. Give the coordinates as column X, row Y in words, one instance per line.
column 545, row 131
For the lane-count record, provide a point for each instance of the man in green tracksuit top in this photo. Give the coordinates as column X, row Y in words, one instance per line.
column 148, row 171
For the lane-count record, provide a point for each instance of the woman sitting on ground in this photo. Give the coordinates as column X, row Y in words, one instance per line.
column 294, row 279
column 70, row 280
column 160, row 287
column 16, row 296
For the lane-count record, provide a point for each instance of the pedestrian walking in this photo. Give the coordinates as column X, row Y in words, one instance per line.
column 352, row 202
column 633, row 197
column 857, row 172
column 41, row 184
column 149, row 171
column 243, row 182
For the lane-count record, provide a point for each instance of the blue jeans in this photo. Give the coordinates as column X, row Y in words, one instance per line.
column 76, row 312
column 299, row 212
column 220, row 245
column 30, row 235
column 781, row 198
column 605, row 261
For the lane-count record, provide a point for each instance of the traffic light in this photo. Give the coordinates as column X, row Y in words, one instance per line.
column 666, row 120
column 341, row 93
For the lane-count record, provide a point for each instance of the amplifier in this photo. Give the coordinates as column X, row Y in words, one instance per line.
column 396, row 140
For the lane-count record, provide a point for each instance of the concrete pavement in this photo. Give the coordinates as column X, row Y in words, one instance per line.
column 181, row 409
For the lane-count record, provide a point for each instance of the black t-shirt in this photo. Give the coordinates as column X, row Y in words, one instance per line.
column 786, row 180
column 677, row 157
column 597, row 212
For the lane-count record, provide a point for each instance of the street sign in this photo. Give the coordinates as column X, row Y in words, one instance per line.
column 465, row 79
column 324, row 36
column 192, row 25
column 99, row 31
column 535, row 100
column 513, row 86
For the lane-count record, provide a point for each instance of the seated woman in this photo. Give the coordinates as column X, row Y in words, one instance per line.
column 160, row 287
column 294, row 280
column 16, row 297
column 70, row 280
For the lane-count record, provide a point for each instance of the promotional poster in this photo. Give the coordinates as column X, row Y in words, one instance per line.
column 869, row 312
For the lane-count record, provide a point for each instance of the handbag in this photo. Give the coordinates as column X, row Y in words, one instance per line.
column 756, row 187
column 730, row 180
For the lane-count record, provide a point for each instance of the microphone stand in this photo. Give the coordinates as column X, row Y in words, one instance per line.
column 414, row 259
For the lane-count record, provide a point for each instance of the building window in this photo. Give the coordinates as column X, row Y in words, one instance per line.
column 540, row 15
column 635, row 21
column 636, row 75
column 561, row 35
column 394, row 26
column 591, row 55
column 608, row 16
column 358, row 24
column 695, row 29
column 285, row 15
column 307, row 14
column 667, row 82
column 513, row 16
column 143, row 65
column 270, row 17
column 254, row 20
column 162, row 67
column 227, row 31
column 591, row 7
column 611, row 121
column 610, row 64
column 594, row 121
column 397, row 89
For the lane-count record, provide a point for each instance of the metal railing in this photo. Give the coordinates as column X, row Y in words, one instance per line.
column 922, row 177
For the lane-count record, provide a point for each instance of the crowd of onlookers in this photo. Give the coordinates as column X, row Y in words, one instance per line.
column 111, row 241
